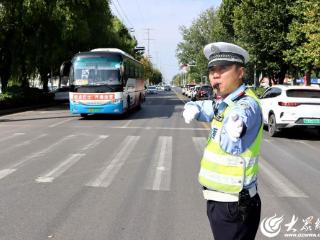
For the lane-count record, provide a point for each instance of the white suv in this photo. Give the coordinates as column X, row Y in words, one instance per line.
column 290, row 106
column 194, row 92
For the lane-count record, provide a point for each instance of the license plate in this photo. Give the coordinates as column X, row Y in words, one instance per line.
column 311, row 121
column 94, row 110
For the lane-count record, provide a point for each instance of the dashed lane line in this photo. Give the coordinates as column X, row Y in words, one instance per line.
column 112, row 169
column 160, row 173
column 69, row 162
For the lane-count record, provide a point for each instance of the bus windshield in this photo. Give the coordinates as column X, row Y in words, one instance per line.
column 95, row 71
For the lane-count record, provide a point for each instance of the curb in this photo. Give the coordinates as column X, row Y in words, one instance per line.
column 26, row 108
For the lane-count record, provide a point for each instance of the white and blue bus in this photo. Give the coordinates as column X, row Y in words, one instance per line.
column 104, row 81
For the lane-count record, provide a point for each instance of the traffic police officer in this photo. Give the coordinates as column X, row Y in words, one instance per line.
column 229, row 164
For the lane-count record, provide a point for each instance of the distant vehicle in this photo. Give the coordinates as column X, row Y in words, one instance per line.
column 186, row 88
column 167, row 88
column 104, row 80
column 152, row 90
column 194, row 91
column 159, row 88
column 61, row 94
column 204, row 93
column 290, row 106
column 189, row 91
column 183, row 89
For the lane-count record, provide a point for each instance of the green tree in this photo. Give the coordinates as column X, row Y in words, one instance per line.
column 122, row 38
column 205, row 29
column 304, row 37
column 38, row 35
column 148, row 68
column 177, row 80
column 151, row 74
column 8, row 35
column 226, row 17
column 17, row 41
column 260, row 26
column 156, row 77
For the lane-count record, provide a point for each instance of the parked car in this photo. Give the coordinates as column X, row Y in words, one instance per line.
column 290, row 106
column 159, row 88
column 183, row 90
column 61, row 94
column 186, row 89
column 194, row 91
column 204, row 93
column 189, row 91
column 167, row 88
column 152, row 90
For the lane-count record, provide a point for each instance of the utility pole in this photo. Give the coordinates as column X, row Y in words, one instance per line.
column 148, row 41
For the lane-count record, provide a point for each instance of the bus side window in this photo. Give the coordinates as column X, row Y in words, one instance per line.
column 127, row 71
column 131, row 70
column 124, row 81
column 131, row 83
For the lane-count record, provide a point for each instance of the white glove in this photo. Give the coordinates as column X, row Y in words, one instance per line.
column 234, row 127
column 190, row 112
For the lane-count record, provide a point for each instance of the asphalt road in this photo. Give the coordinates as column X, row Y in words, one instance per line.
column 64, row 177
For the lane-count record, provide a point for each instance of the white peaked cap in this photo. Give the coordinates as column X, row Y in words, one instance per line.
column 221, row 53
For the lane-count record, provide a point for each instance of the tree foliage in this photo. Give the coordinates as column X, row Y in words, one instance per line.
column 282, row 36
column 153, row 75
column 36, row 36
column 304, row 36
column 261, row 26
column 226, row 16
column 205, row 29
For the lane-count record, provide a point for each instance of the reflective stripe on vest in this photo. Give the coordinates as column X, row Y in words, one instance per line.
column 225, row 172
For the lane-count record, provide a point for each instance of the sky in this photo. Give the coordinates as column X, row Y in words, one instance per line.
column 163, row 18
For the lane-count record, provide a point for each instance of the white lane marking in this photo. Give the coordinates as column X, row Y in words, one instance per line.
column 162, row 178
column 13, row 167
column 69, row 162
column 27, row 142
column 146, row 128
column 6, row 172
column 200, row 143
column 94, row 143
column 12, row 136
column 108, row 174
column 59, row 123
column 39, row 153
column 126, row 124
column 61, row 168
column 282, row 186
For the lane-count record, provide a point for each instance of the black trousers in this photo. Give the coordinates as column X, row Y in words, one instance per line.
column 226, row 223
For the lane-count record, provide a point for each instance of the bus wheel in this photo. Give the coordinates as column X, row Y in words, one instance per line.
column 84, row 115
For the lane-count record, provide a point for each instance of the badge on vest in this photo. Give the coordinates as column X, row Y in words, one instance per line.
column 219, row 111
column 213, row 133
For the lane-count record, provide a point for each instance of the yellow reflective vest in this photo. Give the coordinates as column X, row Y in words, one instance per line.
column 225, row 172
